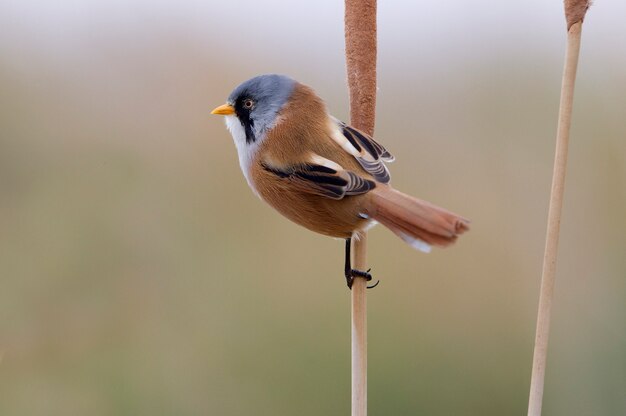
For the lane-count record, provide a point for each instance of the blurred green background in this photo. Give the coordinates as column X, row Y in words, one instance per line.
column 139, row 275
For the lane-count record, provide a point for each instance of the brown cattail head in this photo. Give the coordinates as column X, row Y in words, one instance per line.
column 575, row 11
column 360, row 22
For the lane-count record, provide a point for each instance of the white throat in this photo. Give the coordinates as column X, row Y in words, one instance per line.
column 246, row 151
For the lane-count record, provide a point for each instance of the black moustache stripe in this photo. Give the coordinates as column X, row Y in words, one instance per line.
column 248, row 125
column 243, row 114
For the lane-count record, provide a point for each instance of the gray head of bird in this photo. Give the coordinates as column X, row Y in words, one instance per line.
column 252, row 108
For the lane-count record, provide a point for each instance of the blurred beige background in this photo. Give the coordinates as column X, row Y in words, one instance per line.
column 139, row 275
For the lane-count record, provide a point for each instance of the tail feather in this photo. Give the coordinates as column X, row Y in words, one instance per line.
column 419, row 223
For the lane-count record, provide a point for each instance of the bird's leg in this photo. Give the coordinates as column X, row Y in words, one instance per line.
column 347, row 266
column 351, row 273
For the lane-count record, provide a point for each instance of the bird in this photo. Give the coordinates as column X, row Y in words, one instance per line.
column 323, row 174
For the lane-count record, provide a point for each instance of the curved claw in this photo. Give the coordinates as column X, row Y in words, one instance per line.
column 374, row 285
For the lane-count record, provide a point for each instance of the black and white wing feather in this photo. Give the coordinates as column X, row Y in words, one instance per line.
column 319, row 179
column 370, row 154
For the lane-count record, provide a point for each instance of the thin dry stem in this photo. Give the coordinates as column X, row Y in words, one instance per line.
column 554, row 221
column 359, row 331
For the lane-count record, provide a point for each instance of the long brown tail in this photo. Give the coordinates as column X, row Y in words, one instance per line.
column 419, row 223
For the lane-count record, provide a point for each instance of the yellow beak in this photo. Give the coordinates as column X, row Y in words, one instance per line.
column 224, row 110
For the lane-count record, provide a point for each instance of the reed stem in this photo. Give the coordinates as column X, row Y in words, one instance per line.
column 554, row 221
column 359, row 331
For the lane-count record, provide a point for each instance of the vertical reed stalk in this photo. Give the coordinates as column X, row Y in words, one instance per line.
column 575, row 12
column 360, row 34
column 359, row 331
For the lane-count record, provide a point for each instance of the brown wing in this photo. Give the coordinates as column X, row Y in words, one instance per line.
column 322, row 180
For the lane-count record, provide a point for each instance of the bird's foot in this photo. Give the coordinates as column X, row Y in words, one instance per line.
column 350, row 275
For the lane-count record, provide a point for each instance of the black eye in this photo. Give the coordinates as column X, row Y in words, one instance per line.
column 248, row 104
